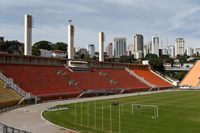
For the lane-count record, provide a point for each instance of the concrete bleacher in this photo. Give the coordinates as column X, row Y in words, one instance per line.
column 152, row 78
column 8, row 97
column 192, row 78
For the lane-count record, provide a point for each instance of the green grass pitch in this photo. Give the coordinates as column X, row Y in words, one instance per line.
column 179, row 112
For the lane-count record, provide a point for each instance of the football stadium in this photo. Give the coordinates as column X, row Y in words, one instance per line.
column 69, row 95
column 57, row 95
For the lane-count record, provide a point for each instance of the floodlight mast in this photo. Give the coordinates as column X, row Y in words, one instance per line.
column 70, row 48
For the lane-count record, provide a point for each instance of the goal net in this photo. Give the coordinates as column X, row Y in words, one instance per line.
column 145, row 109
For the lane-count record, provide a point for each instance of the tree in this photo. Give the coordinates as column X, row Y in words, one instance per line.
column 164, row 57
column 11, row 47
column 182, row 59
column 126, row 59
column 157, row 64
column 41, row 45
column 167, row 59
column 180, row 75
column 151, row 56
column 60, row 46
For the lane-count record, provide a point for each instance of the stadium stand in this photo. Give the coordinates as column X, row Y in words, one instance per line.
column 152, row 78
column 42, row 81
column 8, row 97
column 90, row 80
column 125, row 80
column 51, row 78
column 192, row 79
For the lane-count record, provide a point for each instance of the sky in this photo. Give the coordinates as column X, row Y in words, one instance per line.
column 168, row 19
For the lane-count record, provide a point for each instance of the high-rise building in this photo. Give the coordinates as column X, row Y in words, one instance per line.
column 145, row 50
column 91, row 50
column 155, row 45
column 171, row 51
column 179, row 46
column 110, row 50
column 138, row 42
column 197, row 51
column 149, row 45
column 27, row 34
column 131, row 49
column 1, row 39
column 190, row 51
column 119, row 46
column 164, row 51
column 138, row 46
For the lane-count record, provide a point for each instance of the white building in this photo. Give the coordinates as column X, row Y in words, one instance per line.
column 155, row 45
column 190, row 51
column 145, row 50
column 131, row 49
column 138, row 55
column 45, row 53
column 109, row 50
column 164, row 51
column 179, row 46
column 138, row 46
column 197, row 51
column 138, row 42
column 171, row 51
column 91, row 50
column 53, row 53
column 119, row 46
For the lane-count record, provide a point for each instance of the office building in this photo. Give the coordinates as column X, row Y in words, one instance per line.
column 119, row 46
column 171, row 51
column 91, row 50
column 155, row 45
column 190, row 52
column 179, row 46
column 138, row 42
column 110, row 50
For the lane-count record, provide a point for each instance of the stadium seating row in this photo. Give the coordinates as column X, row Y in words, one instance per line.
column 38, row 80
column 152, row 78
column 53, row 82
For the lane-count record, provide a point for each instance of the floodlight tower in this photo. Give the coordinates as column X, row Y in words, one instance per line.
column 27, row 34
column 70, row 41
column 101, row 46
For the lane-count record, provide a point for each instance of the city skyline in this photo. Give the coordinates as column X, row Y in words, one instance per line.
column 165, row 19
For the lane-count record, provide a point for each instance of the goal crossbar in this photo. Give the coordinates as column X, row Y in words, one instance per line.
column 155, row 107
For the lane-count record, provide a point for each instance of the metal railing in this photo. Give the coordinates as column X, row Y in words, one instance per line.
column 8, row 108
column 7, row 129
column 12, row 85
column 166, row 77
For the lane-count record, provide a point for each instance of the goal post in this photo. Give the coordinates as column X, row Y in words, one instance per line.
column 141, row 106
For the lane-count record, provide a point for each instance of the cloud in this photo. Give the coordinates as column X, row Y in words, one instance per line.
column 12, row 32
column 167, row 19
column 183, row 18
